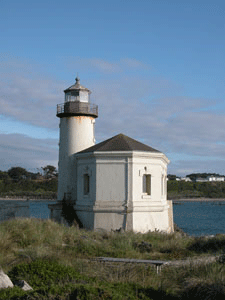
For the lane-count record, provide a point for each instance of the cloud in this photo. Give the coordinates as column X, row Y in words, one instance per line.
column 133, row 63
column 28, row 96
column 185, row 167
column 170, row 124
column 131, row 100
column 102, row 66
column 27, row 152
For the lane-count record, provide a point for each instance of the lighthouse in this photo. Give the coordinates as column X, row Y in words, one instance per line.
column 116, row 184
column 77, row 118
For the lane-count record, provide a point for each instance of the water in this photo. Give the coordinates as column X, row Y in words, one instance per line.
column 195, row 218
column 200, row 218
column 39, row 209
column 34, row 209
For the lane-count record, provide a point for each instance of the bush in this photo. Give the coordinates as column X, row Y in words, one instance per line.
column 43, row 273
column 204, row 244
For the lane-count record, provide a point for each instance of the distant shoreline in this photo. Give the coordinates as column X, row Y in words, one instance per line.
column 26, row 199
column 198, row 200
column 174, row 200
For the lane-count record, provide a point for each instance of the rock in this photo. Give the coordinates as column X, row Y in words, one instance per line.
column 121, row 230
column 5, row 281
column 23, row 285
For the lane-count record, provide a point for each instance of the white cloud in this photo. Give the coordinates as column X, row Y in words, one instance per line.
column 28, row 96
column 93, row 65
column 131, row 100
column 27, row 152
column 171, row 123
column 185, row 167
column 106, row 67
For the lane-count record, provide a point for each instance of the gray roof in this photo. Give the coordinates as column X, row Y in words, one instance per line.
column 77, row 86
column 119, row 142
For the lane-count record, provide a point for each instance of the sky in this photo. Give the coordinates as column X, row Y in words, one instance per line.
column 156, row 69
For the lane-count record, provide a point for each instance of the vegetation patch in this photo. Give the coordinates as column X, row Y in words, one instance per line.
column 208, row 245
column 182, row 189
column 44, row 272
column 58, row 262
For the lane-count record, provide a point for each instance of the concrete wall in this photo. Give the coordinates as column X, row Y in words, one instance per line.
column 102, row 207
column 76, row 134
column 154, row 166
column 86, row 165
column 116, row 198
column 111, row 180
column 10, row 209
column 170, row 215
column 150, row 212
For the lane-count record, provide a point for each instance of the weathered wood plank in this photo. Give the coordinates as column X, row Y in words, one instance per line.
column 131, row 260
column 157, row 263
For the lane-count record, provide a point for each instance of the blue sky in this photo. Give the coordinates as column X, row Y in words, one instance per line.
column 155, row 68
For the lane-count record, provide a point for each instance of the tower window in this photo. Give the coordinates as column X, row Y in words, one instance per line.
column 86, row 184
column 147, row 184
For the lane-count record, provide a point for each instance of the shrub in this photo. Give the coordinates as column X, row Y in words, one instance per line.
column 43, row 272
column 204, row 244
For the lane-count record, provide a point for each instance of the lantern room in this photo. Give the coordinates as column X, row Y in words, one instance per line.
column 77, row 92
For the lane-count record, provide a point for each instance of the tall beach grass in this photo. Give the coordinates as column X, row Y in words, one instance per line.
column 58, row 261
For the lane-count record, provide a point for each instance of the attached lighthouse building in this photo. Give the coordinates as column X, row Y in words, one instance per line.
column 119, row 183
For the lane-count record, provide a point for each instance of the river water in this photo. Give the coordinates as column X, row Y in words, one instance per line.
column 33, row 208
column 200, row 218
column 194, row 218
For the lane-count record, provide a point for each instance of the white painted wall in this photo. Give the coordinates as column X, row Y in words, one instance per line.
column 76, row 134
column 116, row 197
column 111, row 179
column 150, row 212
column 154, row 165
column 107, row 190
column 86, row 166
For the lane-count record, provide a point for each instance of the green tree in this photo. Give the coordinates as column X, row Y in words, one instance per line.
column 171, row 177
column 18, row 173
column 4, row 175
column 50, row 172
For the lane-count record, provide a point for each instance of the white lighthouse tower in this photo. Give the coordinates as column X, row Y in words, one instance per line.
column 77, row 117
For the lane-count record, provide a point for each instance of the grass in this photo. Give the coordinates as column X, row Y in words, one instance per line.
column 56, row 261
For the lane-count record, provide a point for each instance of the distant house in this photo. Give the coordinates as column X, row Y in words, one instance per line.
column 211, row 178
column 215, row 178
column 186, row 179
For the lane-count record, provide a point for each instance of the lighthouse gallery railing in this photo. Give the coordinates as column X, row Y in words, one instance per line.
column 75, row 107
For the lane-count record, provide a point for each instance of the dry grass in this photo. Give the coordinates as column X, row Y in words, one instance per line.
column 29, row 240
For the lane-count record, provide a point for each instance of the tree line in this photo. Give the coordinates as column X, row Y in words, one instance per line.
column 182, row 189
column 18, row 182
column 195, row 176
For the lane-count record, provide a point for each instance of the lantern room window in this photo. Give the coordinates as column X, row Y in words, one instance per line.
column 72, row 96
